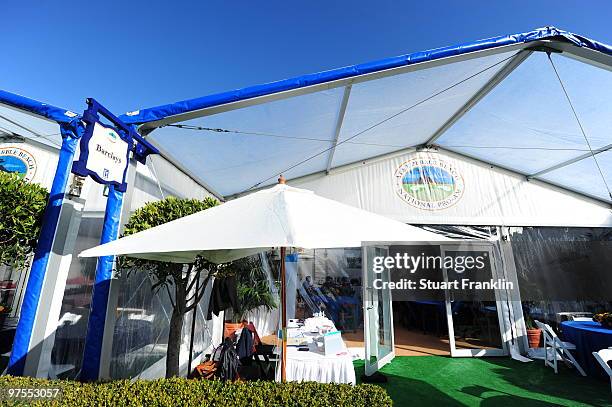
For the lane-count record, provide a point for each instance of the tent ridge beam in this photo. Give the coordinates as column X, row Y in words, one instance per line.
column 571, row 161
column 341, row 113
column 502, row 74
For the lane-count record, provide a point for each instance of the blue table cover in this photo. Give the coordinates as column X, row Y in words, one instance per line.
column 589, row 337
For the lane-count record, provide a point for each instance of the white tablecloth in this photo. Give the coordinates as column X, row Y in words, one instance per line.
column 314, row 366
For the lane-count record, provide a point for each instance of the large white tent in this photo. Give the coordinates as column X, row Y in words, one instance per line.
column 526, row 115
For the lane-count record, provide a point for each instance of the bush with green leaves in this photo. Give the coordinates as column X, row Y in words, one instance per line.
column 182, row 392
column 22, row 206
column 252, row 286
column 178, row 277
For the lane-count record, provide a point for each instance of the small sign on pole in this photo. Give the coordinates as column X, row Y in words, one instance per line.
column 104, row 156
column 105, row 150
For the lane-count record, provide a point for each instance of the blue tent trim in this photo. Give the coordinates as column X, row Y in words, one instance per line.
column 57, row 114
column 550, row 33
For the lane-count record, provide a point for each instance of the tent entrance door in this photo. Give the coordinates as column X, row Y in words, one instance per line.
column 378, row 312
column 474, row 313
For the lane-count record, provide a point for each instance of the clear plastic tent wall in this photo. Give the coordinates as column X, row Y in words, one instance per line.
column 505, row 101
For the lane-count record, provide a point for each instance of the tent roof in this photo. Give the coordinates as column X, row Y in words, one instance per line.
column 499, row 100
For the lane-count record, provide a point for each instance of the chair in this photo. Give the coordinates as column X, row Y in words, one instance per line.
column 604, row 357
column 559, row 349
column 263, row 350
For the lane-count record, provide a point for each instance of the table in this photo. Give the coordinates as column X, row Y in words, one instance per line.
column 589, row 337
column 313, row 365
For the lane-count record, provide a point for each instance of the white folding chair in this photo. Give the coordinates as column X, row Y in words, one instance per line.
column 603, row 357
column 558, row 347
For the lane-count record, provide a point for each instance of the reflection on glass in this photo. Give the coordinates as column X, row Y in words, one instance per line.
column 67, row 354
column 474, row 311
column 563, row 273
column 329, row 281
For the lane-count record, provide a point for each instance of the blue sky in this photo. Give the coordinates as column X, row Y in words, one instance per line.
column 135, row 54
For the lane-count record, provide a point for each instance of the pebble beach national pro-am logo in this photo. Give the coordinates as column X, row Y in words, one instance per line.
column 18, row 161
column 428, row 183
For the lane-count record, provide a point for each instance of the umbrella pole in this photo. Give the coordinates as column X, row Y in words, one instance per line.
column 284, row 316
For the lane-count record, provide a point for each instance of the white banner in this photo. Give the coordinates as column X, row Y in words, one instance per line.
column 436, row 187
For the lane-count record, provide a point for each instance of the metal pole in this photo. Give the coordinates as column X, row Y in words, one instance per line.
column 284, row 316
column 283, row 252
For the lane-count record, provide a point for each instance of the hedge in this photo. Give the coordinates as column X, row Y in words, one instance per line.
column 177, row 392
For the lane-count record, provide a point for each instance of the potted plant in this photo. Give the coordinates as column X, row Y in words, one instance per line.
column 533, row 332
column 252, row 290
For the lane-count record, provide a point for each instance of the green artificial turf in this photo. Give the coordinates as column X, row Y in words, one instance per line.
column 445, row 381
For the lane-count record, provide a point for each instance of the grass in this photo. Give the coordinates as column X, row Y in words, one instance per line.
column 443, row 381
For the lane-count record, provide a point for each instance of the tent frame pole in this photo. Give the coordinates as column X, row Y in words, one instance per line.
column 339, row 120
column 570, row 161
column 491, row 84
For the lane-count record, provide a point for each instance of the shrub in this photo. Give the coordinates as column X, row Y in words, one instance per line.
column 21, row 209
column 176, row 392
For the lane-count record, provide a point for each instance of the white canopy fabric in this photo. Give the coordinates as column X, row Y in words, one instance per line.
column 280, row 216
column 534, row 103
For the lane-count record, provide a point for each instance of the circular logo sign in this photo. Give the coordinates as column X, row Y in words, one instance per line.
column 18, row 161
column 112, row 136
column 428, row 183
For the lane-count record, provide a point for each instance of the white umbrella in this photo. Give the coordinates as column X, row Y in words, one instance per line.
column 280, row 216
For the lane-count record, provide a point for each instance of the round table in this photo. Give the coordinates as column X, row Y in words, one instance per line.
column 589, row 337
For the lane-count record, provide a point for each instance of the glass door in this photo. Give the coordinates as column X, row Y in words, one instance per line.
column 378, row 312
column 474, row 311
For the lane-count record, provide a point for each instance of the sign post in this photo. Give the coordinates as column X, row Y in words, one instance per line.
column 105, row 157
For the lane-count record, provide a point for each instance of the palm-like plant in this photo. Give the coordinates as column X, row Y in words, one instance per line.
column 252, row 287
